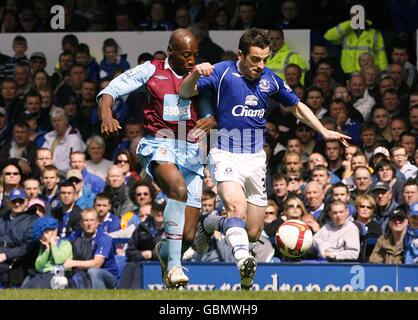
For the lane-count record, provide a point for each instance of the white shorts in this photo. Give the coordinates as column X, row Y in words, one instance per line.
column 247, row 169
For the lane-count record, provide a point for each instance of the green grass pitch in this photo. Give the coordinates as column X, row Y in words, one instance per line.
column 20, row 294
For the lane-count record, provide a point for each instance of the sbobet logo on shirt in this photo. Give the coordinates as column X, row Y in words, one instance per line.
column 244, row 111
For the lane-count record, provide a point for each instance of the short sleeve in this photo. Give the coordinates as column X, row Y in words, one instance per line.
column 283, row 93
column 212, row 82
column 129, row 81
column 103, row 246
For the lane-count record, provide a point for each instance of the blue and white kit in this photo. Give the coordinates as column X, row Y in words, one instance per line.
column 241, row 106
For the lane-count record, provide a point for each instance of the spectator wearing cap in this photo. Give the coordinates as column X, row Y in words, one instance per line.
column 141, row 245
column 16, row 239
column 20, row 147
column 386, row 172
column 385, row 204
column 78, row 162
column 84, row 196
column 68, row 214
column 389, row 247
column 63, row 140
column 53, row 252
column 38, row 205
column 411, row 236
column 37, row 62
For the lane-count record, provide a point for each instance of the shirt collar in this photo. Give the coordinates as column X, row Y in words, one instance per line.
column 91, row 238
column 108, row 217
column 167, row 66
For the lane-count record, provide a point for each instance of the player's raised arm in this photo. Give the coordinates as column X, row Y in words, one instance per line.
column 188, row 87
column 125, row 83
column 302, row 112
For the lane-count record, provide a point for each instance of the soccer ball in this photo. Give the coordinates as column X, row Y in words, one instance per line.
column 294, row 238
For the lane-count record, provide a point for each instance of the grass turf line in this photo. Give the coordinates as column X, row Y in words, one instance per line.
column 20, row 294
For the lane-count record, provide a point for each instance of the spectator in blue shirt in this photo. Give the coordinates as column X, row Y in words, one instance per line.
column 78, row 162
column 411, row 236
column 111, row 60
column 84, row 196
column 108, row 221
column 101, row 268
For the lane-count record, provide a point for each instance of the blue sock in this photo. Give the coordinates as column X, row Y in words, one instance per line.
column 173, row 226
column 223, row 224
column 237, row 237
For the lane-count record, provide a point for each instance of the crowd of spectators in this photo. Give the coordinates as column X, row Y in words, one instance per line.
column 360, row 202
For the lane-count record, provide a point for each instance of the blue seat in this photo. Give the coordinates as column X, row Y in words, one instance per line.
column 121, row 262
column 371, row 241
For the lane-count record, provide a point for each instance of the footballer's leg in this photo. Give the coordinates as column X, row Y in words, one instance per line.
column 172, row 183
column 194, row 184
column 235, row 231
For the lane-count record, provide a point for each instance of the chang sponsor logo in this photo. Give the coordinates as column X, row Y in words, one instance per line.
column 244, row 111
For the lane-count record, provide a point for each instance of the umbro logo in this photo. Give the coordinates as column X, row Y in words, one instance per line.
column 161, row 77
column 236, row 74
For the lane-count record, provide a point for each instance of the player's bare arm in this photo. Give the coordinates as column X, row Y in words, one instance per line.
column 302, row 112
column 188, row 87
column 109, row 124
column 203, row 127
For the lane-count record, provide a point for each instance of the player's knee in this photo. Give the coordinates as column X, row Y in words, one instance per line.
column 254, row 234
column 237, row 210
column 178, row 193
column 188, row 236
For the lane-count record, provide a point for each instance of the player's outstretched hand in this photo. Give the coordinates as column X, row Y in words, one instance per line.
column 204, row 69
column 334, row 135
column 110, row 126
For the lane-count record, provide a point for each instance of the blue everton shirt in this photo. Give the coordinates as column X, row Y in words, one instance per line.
column 241, row 105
